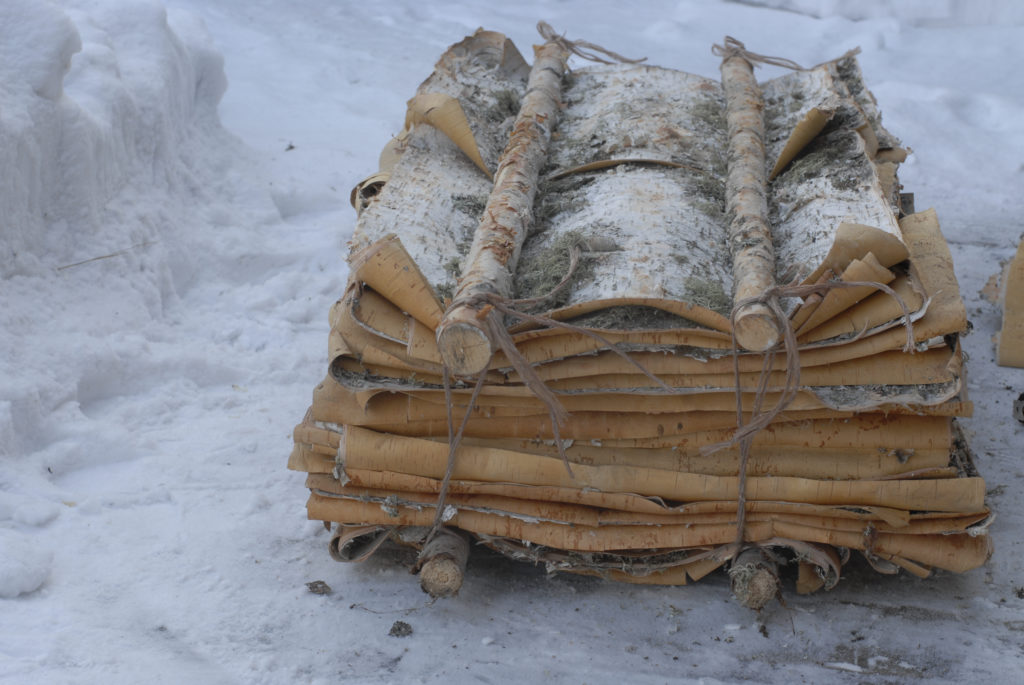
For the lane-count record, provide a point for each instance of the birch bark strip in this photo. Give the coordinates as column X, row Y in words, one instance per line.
column 465, row 346
column 957, row 553
column 750, row 237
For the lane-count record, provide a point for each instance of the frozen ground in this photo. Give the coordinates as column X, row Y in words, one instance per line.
column 167, row 258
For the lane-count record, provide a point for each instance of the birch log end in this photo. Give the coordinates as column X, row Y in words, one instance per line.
column 443, row 563
column 754, row 579
column 465, row 347
column 756, row 328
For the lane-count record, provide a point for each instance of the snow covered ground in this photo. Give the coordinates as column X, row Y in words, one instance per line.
column 168, row 252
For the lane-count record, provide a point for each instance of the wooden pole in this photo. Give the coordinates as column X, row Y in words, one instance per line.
column 750, row 239
column 443, row 563
column 754, row 578
column 462, row 336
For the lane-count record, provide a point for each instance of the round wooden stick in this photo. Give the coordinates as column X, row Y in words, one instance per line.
column 750, row 238
column 755, row 579
column 443, row 563
column 462, row 338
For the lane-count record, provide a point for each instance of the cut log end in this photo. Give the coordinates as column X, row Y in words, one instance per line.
column 754, row 579
column 465, row 348
column 756, row 328
column 443, row 563
column 441, row 577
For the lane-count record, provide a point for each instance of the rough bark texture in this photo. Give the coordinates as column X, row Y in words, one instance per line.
column 750, row 238
column 435, row 194
column 832, row 181
column 507, row 216
column 648, row 230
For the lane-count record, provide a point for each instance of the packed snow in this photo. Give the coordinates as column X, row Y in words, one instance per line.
column 174, row 184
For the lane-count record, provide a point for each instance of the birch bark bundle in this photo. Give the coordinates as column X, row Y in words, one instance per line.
column 620, row 216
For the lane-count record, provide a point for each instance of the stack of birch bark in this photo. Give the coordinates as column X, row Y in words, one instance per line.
column 594, row 322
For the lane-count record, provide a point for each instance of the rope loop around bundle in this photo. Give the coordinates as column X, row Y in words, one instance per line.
column 582, row 48
column 759, row 420
column 493, row 310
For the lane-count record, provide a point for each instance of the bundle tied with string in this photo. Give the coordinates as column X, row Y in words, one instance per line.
column 632, row 352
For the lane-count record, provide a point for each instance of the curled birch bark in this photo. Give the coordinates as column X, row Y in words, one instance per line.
column 750, row 237
column 462, row 337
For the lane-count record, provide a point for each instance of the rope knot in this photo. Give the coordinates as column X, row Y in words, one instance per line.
column 582, row 48
column 736, row 48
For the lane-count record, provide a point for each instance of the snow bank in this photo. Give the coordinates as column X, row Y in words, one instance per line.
column 114, row 172
column 101, row 108
column 117, row 186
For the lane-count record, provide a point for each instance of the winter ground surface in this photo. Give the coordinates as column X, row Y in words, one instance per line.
column 174, row 185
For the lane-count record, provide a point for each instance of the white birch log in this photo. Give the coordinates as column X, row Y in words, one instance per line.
column 750, row 239
column 465, row 345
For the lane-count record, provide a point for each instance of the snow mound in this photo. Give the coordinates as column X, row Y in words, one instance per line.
column 118, row 185
column 103, row 106
column 23, row 567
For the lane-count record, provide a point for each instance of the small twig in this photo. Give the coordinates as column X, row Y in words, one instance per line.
column 108, row 256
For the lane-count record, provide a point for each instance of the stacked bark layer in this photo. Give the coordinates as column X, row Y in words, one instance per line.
column 622, row 283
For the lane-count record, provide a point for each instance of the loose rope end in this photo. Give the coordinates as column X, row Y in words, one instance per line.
column 582, row 48
column 735, row 48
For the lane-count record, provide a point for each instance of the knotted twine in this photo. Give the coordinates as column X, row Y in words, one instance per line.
column 736, row 48
column 582, row 48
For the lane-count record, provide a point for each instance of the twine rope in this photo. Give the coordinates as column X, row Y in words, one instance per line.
column 736, row 48
column 582, row 48
column 494, row 308
column 745, row 432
